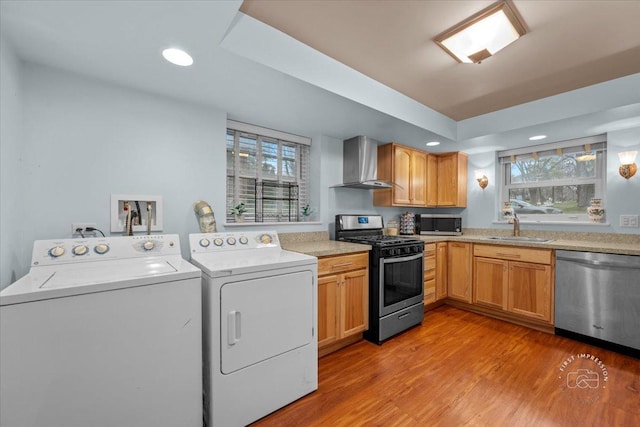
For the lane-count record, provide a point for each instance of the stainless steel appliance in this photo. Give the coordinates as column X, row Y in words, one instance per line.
column 360, row 164
column 439, row 224
column 597, row 296
column 395, row 275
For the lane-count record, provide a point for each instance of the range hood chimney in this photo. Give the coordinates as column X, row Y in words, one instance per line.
column 360, row 164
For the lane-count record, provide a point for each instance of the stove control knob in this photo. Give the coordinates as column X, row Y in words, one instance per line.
column 218, row 242
column 243, row 240
column 231, row 241
column 204, row 242
column 80, row 250
column 101, row 248
column 56, row 251
column 148, row 245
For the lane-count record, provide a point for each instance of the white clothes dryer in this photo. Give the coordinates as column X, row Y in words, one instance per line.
column 103, row 332
column 260, row 347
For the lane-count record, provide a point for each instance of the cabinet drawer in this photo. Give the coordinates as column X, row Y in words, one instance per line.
column 337, row 264
column 429, row 291
column 429, row 268
column 538, row 256
column 429, row 250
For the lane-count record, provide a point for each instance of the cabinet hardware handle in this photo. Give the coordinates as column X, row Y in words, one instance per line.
column 344, row 264
column 509, row 255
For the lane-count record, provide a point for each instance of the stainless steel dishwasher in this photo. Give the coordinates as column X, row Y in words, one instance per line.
column 598, row 296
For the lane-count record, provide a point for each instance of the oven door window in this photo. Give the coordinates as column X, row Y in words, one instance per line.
column 402, row 280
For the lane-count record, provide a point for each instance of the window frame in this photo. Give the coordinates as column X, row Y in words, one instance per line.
column 300, row 176
column 597, row 144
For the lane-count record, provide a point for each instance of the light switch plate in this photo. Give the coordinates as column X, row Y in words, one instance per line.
column 629, row 221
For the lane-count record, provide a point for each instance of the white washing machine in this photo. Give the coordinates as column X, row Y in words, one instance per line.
column 259, row 325
column 103, row 332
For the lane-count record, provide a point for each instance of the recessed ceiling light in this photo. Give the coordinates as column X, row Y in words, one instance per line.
column 537, row 137
column 177, row 57
column 432, row 143
column 483, row 34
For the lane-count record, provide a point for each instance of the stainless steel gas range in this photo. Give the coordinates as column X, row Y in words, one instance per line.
column 395, row 275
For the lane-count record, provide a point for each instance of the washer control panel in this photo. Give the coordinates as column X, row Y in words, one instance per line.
column 215, row 242
column 61, row 251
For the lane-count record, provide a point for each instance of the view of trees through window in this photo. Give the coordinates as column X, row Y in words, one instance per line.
column 553, row 181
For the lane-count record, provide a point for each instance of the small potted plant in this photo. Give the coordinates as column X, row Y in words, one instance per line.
column 306, row 212
column 238, row 212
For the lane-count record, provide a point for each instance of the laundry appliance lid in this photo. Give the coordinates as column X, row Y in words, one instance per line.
column 56, row 281
column 249, row 261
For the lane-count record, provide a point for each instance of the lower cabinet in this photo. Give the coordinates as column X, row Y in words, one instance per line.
column 515, row 280
column 459, row 271
column 343, row 300
column 435, row 272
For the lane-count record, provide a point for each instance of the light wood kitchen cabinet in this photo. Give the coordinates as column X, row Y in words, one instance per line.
column 459, row 264
column 343, row 300
column 441, row 270
column 432, row 180
column 406, row 168
column 429, row 273
column 514, row 279
column 452, row 179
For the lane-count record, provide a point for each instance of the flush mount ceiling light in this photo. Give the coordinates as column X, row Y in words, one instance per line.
column 483, row 34
column 177, row 57
column 432, row 143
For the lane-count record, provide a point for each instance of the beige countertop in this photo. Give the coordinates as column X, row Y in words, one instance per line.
column 318, row 243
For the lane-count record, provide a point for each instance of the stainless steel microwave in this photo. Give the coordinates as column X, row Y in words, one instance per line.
column 439, row 224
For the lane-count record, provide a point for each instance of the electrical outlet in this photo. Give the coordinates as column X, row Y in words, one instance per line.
column 629, row 221
column 83, row 226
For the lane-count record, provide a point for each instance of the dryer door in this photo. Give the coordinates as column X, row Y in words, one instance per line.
column 264, row 317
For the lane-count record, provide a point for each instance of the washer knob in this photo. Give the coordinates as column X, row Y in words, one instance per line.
column 204, row 242
column 101, row 248
column 148, row 245
column 231, row 240
column 218, row 241
column 56, row 251
column 80, row 250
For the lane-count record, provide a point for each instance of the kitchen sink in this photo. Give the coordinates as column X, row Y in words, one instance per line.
column 521, row 239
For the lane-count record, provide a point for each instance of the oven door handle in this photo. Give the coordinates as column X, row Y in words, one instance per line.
column 401, row 258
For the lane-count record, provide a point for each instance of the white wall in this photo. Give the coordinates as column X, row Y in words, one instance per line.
column 11, row 184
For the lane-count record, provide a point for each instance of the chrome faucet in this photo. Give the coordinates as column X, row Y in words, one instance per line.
column 516, row 225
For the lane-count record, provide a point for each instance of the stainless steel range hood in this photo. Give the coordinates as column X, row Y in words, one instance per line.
column 360, row 164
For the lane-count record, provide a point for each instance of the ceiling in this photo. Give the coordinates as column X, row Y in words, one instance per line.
column 570, row 45
column 255, row 73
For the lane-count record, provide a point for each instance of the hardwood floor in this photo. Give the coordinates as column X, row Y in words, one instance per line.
column 463, row 369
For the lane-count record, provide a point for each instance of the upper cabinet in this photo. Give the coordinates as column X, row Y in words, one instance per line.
column 406, row 168
column 452, row 179
column 421, row 179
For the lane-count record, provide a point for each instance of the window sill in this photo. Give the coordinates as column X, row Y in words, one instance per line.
column 575, row 223
column 269, row 224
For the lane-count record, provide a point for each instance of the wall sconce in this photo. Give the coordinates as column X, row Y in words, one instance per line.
column 482, row 179
column 628, row 168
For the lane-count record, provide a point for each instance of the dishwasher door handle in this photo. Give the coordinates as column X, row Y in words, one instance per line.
column 600, row 264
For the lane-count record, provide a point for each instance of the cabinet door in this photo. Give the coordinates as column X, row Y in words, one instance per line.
column 441, row 270
column 401, row 176
column 419, row 178
column 354, row 303
column 490, row 282
column 327, row 303
column 452, row 179
column 459, row 271
column 432, row 180
column 530, row 290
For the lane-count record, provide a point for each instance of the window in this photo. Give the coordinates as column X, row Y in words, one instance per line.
column 268, row 171
column 554, row 182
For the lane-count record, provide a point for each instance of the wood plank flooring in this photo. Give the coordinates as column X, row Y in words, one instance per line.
column 463, row 369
